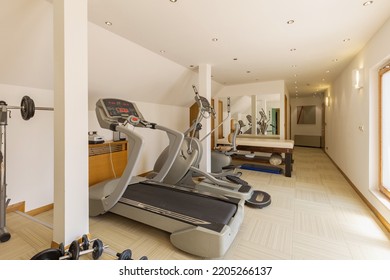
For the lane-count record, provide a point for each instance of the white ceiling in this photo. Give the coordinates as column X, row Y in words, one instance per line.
column 307, row 54
column 253, row 31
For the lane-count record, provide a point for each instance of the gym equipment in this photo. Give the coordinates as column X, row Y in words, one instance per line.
column 200, row 224
column 74, row 252
column 50, row 254
column 27, row 110
column 185, row 167
column 126, row 255
column 262, row 168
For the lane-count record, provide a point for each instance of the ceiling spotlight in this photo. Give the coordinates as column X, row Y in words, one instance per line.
column 368, row 3
column 346, row 40
column 109, row 23
column 162, row 51
column 214, row 39
column 235, row 58
column 291, row 21
column 293, row 49
column 173, row 1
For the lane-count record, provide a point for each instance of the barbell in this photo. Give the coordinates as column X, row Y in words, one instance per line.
column 27, row 108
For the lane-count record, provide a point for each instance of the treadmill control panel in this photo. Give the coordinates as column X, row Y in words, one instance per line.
column 117, row 108
column 112, row 111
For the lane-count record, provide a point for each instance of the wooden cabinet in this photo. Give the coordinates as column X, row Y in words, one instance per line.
column 107, row 161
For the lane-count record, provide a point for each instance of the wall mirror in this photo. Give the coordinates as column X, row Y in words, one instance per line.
column 260, row 112
column 306, row 114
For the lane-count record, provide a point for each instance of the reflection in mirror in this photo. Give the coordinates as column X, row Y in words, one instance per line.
column 261, row 112
column 306, row 114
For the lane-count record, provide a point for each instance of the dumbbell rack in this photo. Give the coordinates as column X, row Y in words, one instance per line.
column 77, row 249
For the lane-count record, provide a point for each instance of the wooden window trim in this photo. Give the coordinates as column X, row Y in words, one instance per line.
column 382, row 71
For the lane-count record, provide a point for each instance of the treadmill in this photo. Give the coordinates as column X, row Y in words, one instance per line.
column 201, row 224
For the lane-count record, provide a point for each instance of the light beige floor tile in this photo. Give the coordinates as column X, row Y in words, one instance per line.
column 315, row 214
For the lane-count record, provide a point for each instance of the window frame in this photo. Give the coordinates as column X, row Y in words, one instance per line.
column 382, row 72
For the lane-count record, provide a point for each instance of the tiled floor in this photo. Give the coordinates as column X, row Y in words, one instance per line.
column 315, row 214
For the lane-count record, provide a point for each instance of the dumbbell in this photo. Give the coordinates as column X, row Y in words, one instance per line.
column 126, row 255
column 75, row 252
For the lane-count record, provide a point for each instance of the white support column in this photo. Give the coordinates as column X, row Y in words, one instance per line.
column 254, row 114
column 70, row 120
column 205, row 91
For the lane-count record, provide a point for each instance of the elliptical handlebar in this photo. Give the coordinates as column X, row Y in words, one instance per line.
column 204, row 105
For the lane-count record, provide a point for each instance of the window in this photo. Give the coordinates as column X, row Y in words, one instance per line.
column 384, row 129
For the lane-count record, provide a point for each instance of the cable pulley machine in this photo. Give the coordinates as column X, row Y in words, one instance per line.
column 27, row 110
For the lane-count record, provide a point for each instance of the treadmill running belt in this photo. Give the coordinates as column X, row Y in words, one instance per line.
column 197, row 206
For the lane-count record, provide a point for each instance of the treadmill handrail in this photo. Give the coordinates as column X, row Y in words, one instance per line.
column 175, row 141
column 135, row 141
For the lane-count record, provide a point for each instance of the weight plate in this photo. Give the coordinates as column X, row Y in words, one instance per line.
column 48, row 254
column 31, row 107
column 85, row 242
column 125, row 255
column 74, row 250
column 27, row 109
column 24, row 108
column 62, row 249
column 97, row 249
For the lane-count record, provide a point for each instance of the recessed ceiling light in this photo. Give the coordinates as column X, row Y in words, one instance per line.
column 192, row 66
column 346, row 40
column 294, row 66
column 335, row 60
column 293, row 49
column 173, row 1
column 291, row 21
column 214, row 39
column 109, row 23
column 248, row 71
column 327, row 71
column 368, row 3
column 235, row 58
column 162, row 51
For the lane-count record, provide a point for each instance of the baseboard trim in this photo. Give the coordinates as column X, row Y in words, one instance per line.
column 383, row 221
column 40, row 210
column 20, row 206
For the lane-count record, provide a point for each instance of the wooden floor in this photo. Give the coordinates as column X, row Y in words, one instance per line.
column 315, row 214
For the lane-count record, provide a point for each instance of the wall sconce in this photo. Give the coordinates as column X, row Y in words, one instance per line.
column 357, row 78
column 327, row 101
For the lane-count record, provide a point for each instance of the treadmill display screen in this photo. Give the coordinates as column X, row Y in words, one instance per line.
column 120, row 108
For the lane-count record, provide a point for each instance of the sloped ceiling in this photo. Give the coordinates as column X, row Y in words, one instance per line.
column 153, row 47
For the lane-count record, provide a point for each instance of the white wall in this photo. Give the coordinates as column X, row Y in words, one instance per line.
column 355, row 151
column 30, row 148
column 306, row 129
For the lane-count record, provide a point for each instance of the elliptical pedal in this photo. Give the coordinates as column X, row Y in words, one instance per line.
column 259, row 199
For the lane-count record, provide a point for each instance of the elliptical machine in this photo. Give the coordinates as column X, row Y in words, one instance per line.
column 187, row 163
